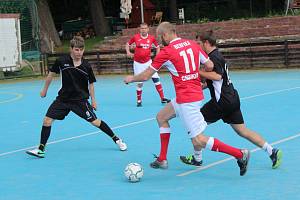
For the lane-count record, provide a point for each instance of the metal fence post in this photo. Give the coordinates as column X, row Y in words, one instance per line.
column 98, row 63
column 286, row 53
column 46, row 63
column 41, row 64
column 251, row 62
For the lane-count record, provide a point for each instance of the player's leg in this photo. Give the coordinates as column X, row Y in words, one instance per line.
column 213, row 144
column 252, row 136
column 211, row 114
column 139, row 91
column 195, row 124
column 274, row 154
column 163, row 118
column 159, row 89
column 84, row 110
column 236, row 121
column 57, row 110
column 45, row 133
column 137, row 69
column 108, row 131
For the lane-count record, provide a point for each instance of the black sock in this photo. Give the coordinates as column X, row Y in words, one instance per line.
column 45, row 133
column 106, row 129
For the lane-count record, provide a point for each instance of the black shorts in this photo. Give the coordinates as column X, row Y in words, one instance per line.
column 59, row 110
column 212, row 112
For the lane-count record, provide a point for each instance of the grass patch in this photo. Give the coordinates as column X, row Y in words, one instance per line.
column 26, row 71
column 89, row 44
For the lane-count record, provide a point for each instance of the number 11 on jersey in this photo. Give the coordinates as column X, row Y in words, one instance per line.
column 186, row 61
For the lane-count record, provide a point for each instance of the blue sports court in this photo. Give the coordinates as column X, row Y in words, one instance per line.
column 82, row 163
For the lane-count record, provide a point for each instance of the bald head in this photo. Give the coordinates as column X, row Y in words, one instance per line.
column 166, row 28
column 166, row 32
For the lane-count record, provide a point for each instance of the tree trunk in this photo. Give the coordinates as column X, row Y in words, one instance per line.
column 172, row 10
column 268, row 6
column 234, row 7
column 48, row 33
column 101, row 25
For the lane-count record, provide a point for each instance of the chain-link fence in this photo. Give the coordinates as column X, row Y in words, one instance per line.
column 28, row 21
column 29, row 25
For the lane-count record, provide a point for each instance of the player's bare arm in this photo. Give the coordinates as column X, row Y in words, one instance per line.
column 92, row 94
column 210, row 75
column 144, row 76
column 208, row 66
column 48, row 81
column 129, row 54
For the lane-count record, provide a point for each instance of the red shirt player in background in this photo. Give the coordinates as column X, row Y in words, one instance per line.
column 142, row 59
column 182, row 58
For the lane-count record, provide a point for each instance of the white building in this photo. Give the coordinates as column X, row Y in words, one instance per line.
column 10, row 42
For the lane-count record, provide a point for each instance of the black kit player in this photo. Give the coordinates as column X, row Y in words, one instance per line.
column 225, row 103
column 77, row 80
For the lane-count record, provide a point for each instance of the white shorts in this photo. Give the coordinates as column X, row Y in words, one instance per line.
column 191, row 117
column 140, row 67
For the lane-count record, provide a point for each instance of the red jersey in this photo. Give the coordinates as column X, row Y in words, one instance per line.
column 182, row 58
column 143, row 45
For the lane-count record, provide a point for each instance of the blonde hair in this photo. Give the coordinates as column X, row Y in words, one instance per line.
column 77, row 42
column 166, row 27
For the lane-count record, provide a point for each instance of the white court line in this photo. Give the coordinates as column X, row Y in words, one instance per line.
column 17, row 97
column 79, row 136
column 231, row 158
column 268, row 93
column 133, row 123
column 261, row 79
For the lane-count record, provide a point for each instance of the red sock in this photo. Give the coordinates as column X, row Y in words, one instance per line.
column 139, row 95
column 164, row 143
column 160, row 90
column 222, row 147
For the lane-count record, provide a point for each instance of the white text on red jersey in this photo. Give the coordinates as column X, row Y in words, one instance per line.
column 182, row 44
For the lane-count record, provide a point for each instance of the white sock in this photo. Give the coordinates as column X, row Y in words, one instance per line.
column 268, row 148
column 198, row 155
column 210, row 143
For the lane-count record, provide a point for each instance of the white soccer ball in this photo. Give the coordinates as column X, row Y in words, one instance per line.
column 134, row 172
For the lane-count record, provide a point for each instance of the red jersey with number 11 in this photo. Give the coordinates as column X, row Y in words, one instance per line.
column 182, row 58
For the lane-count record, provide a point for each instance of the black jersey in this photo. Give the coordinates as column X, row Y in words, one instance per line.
column 222, row 91
column 75, row 80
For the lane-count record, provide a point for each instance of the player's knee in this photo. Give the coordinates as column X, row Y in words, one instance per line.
column 240, row 133
column 240, row 130
column 96, row 122
column 199, row 141
column 47, row 121
column 160, row 118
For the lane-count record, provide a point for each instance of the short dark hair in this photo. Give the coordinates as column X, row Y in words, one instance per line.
column 143, row 24
column 207, row 36
column 77, row 42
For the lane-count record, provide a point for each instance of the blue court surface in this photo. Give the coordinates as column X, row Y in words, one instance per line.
column 83, row 163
